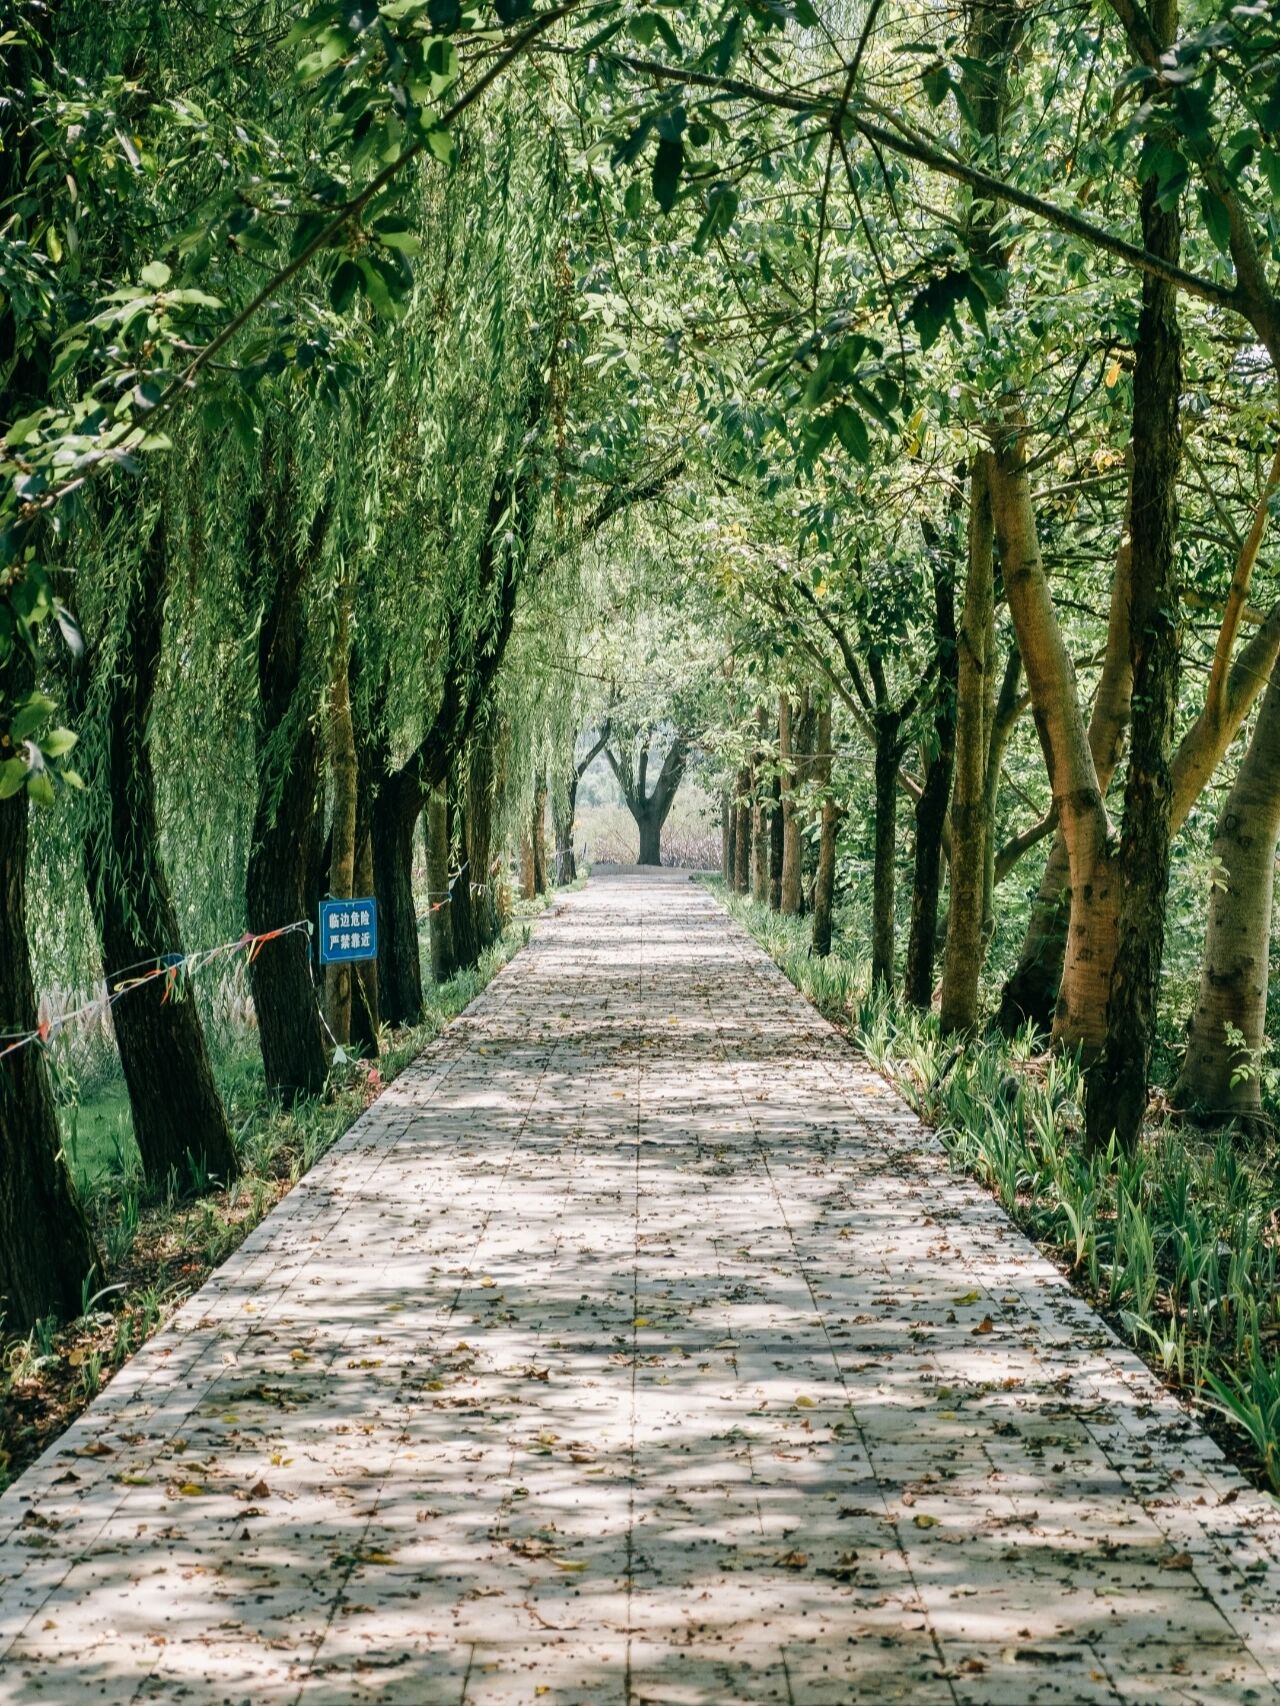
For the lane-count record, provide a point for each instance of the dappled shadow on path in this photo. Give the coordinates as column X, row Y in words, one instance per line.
column 636, row 1346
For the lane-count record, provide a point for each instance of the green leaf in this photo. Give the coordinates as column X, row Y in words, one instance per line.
column 156, row 274
column 58, row 743
column 667, row 166
column 40, row 788
column 30, row 714
column 13, row 776
column 722, row 204
column 1216, row 220
column 345, row 286
column 851, row 430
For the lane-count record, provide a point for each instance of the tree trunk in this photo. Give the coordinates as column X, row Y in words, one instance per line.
column 46, row 1249
column 482, row 782
column 775, row 846
column 365, row 1012
column 289, row 757
column 538, row 838
column 440, row 919
column 1116, row 1088
column 563, row 814
column 1055, row 703
column 179, row 1122
column 650, row 827
column 1221, row 1077
column 790, row 722
column 931, row 807
column 965, row 945
column 728, row 824
column 888, row 753
column 824, row 886
column 340, row 979
column 742, row 836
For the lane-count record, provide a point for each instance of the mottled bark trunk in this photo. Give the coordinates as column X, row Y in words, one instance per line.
column 790, row 721
column 824, row 886
column 728, row 824
column 480, row 788
column 775, row 846
column 344, row 784
column 563, row 814
column 365, row 1012
column 742, row 837
column 179, row 1122
column 1055, row 704
column 888, row 754
column 277, row 889
column 931, row 807
column 650, row 827
column 46, row 1249
column 1221, row 1078
column 395, row 816
column 966, row 941
column 439, row 899
column 462, row 908
column 1116, row 1088
column 538, row 839
column 1031, row 992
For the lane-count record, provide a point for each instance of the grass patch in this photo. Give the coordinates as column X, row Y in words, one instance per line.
column 1177, row 1245
column 160, row 1246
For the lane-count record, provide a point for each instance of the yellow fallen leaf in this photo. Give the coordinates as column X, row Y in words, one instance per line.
column 923, row 1521
column 570, row 1568
column 969, row 1297
column 806, row 1403
column 192, row 1490
column 299, row 1356
column 488, row 1282
column 376, row 1558
column 641, row 1321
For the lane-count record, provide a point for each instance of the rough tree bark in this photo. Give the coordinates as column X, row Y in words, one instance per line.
column 888, row 757
column 439, row 898
column 1116, row 1086
column 966, row 941
column 760, row 814
column 289, row 756
column 775, row 845
column 369, row 736
column 178, row 1119
column 1055, row 704
column 742, row 833
column 824, row 885
column 46, row 1249
column 790, row 721
column 1220, row 1078
column 931, row 807
column 344, row 781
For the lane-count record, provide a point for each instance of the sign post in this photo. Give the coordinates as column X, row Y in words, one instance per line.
column 348, row 931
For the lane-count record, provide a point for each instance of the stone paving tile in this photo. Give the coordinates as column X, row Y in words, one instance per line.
column 625, row 1351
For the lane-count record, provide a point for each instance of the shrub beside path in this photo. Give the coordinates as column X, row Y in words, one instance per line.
column 637, row 1345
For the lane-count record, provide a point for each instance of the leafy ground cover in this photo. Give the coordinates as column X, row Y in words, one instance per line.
column 160, row 1246
column 1175, row 1244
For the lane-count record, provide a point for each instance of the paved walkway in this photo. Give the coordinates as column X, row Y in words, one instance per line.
column 636, row 1346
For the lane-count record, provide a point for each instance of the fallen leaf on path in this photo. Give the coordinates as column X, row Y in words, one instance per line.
column 986, row 1325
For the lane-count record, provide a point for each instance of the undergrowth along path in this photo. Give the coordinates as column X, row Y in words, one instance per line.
column 637, row 1345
